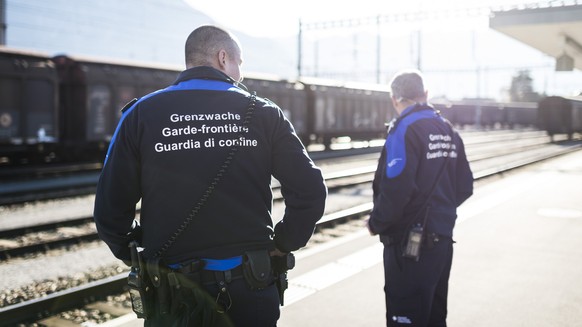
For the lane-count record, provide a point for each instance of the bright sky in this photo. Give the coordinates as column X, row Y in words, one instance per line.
column 280, row 18
column 466, row 51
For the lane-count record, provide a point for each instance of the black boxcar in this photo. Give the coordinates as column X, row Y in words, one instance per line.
column 92, row 94
column 29, row 125
column 560, row 115
column 488, row 114
column 462, row 113
column 359, row 111
column 520, row 114
column 290, row 96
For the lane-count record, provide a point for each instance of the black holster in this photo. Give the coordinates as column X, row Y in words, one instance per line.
column 282, row 264
column 140, row 290
column 178, row 297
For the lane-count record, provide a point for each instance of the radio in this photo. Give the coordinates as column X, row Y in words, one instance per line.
column 139, row 290
column 413, row 243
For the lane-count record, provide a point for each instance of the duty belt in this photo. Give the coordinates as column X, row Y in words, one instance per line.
column 430, row 239
column 209, row 271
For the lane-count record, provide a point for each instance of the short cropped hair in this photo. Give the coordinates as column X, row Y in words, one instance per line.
column 407, row 85
column 206, row 41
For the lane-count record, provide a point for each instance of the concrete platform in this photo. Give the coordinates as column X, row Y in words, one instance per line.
column 518, row 261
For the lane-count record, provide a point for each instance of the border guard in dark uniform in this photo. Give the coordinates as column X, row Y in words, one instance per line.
column 200, row 155
column 423, row 176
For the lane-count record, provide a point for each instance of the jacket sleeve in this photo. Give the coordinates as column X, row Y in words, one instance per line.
column 302, row 186
column 392, row 194
column 118, row 191
column 464, row 175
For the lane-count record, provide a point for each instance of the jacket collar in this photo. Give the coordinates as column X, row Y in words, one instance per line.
column 416, row 107
column 203, row 72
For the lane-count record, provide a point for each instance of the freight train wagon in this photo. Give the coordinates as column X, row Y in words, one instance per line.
column 29, row 118
column 561, row 115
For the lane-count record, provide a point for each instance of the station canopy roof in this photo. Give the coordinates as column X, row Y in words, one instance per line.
column 554, row 28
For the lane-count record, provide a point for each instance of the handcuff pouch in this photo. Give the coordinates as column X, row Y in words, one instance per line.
column 257, row 269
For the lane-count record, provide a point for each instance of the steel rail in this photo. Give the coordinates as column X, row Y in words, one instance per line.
column 75, row 297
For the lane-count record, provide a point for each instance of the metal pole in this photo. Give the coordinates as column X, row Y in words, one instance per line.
column 316, row 58
column 355, row 58
column 419, row 58
column 2, row 22
column 299, row 51
column 378, row 51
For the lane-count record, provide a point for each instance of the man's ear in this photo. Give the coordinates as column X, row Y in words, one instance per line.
column 394, row 102
column 222, row 58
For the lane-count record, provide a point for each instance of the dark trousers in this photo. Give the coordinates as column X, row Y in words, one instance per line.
column 416, row 292
column 249, row 308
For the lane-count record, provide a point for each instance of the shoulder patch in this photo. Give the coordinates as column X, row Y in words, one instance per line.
column 395, row 152
column 128, row 105
column 396, row 142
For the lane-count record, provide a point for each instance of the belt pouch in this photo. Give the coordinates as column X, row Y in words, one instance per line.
column 257, row 269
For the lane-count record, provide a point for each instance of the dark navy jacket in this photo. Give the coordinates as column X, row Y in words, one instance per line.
column 418, row 145
column 167, row 149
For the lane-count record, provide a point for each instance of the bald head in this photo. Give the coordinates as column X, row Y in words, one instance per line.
column 205, row 43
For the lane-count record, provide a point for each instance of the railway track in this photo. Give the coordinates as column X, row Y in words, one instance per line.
column 26, row 184
column 31, row 239
column 39, row 238
column 485, row 161
column 28, row 240
column 488, row 165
